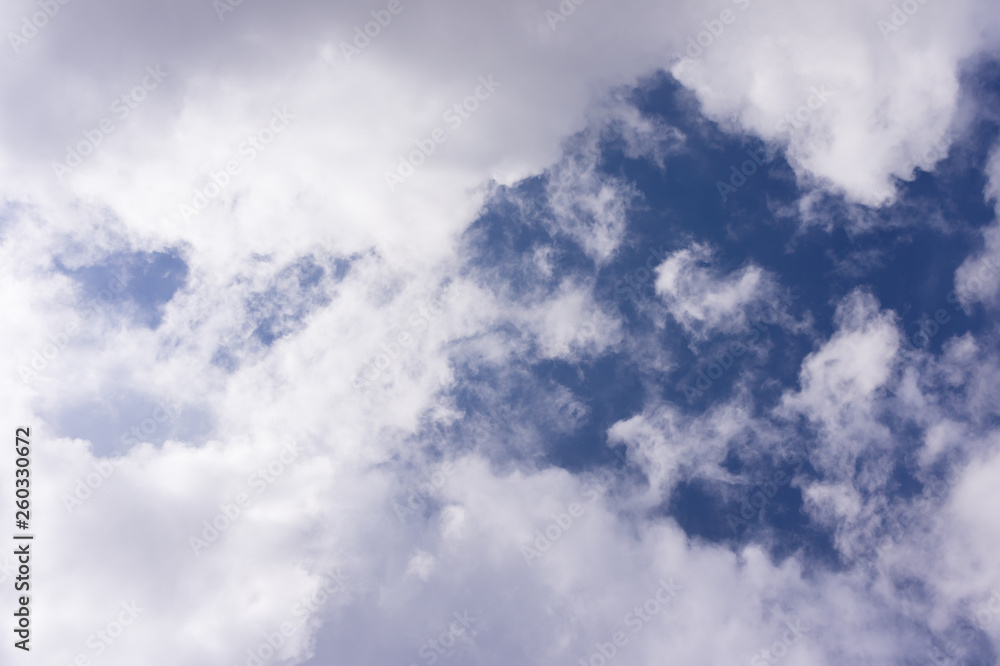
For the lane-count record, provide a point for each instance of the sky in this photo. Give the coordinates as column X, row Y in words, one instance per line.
column 557, row 333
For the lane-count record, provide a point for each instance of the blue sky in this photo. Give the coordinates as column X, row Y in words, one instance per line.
column 649, row 359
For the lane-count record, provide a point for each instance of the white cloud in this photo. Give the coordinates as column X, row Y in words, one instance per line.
column 319, row 189
column 705, row 302
column 840, row 380
column 892, row 97
column 569, row 324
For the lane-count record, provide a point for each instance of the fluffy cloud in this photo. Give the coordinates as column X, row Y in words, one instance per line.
column 840, row 379
column 890, row 93
column 306, row 272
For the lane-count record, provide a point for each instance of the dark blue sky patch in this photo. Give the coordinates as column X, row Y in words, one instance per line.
column 906, row 254
column 607, row 390
column 904, row 483
column 699, row 511
column 769, row 513
column 500, row 247
column 765, row 358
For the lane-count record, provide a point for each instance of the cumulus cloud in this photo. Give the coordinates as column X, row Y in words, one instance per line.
column 840, row 379
column 870, row 128
column 317, row 199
